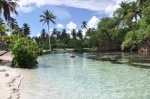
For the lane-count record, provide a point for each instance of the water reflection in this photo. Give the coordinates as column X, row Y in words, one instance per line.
column 141, row 60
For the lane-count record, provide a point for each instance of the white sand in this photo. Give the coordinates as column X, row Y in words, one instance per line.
column 6, row 57
column 10, row 80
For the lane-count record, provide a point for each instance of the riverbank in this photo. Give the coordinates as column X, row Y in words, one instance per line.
column 10, row 78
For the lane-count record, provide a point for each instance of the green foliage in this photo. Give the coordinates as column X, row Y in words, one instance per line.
column 146, row 14
column 130, row 41
column 143, row 35
column 75, row 43
column 3, row 29
column 24, row 51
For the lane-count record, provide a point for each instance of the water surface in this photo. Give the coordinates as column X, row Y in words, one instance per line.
column 88, row 76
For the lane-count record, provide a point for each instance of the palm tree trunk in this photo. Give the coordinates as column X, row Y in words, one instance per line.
column 49, row 39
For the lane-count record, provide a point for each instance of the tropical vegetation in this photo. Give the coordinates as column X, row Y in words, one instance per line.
column 128, row 30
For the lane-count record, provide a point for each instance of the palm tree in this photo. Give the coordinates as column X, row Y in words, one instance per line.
column 58, row 36
column 12, row 23
column 84, row 25
column 80, row 35
column 43, row 35
column 143, row 3
column 8, row 7
column 133, row 11
column 64, row 34
column 47, row 18
column 73, row 33
column 54, row 32
column 122, row 11
column 26, row 30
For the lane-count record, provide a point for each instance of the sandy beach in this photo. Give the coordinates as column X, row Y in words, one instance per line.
column 10, row 79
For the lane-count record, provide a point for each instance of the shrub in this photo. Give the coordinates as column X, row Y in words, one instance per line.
column 24, row 52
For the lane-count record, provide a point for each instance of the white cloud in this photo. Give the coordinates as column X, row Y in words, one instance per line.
column 94, row 5
column 92, row 23
column 39, row 35
column 69, row 31
column 26, row 9
column 84, row 31
column 61, row 13
column 101, row 6
column 60, row 26
column 71, row 26
column 113, row 5
column 50, row 30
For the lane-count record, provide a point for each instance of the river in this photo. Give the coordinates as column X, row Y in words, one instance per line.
column 112, row 75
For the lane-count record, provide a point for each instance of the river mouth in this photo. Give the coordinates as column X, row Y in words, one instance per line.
column 85, row 77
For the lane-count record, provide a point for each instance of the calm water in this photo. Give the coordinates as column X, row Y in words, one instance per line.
column 89, row 76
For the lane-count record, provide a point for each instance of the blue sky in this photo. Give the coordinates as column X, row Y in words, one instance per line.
column 70, row 13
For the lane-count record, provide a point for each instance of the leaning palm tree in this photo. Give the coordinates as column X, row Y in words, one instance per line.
column 8, row 7
column 47, row 18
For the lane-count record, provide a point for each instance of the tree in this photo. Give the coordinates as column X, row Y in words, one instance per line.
column 12, row 23
column 3, row 30
column 47, row 18
column 8, row 7
column 73, row 33
column 143, row 3
column 26, row 30
column 133, row 11
column 122, row 11
column 80, row 35
column 54, row 32
column 63, row 34
column 24, row 51
column 43, row 35
column 84, row 25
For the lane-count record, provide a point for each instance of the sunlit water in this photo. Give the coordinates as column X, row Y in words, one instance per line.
column 86, row 77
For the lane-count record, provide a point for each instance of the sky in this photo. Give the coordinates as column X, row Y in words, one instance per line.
column 69, row 13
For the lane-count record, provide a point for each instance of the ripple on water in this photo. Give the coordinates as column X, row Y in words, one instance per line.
column 62, row 77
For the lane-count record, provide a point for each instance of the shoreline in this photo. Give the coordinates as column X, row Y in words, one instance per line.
column 10, row 79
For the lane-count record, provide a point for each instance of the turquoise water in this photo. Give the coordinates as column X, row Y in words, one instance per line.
column 87, row 76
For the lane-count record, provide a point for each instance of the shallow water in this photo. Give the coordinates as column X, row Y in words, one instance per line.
column 88, row 76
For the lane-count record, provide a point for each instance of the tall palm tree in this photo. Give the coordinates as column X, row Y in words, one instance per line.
column 26, row 29
column 8, row 7
column 47, row 18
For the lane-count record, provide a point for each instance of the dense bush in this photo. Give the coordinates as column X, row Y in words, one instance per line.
column 24, row 52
